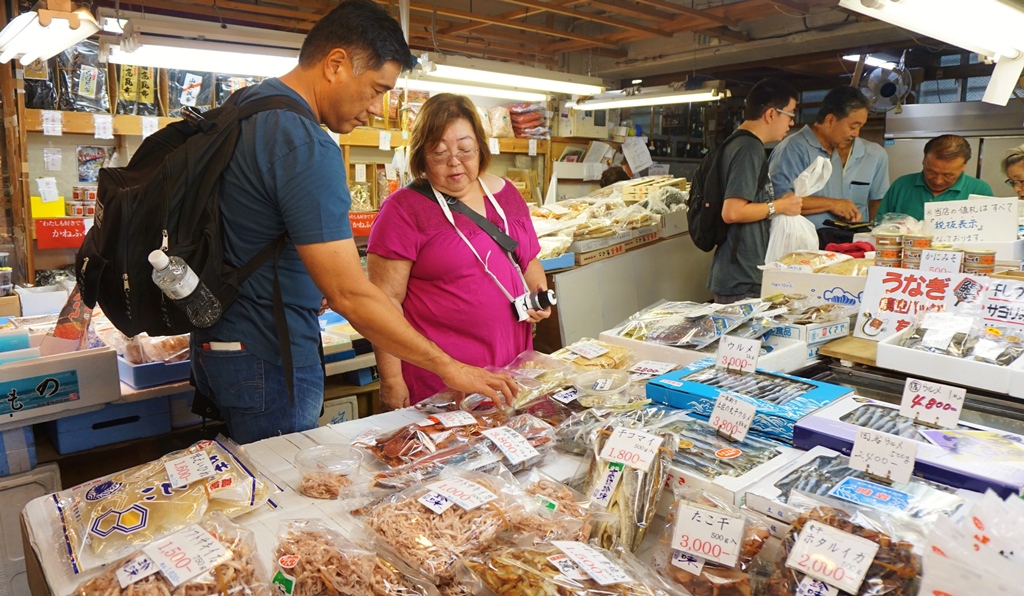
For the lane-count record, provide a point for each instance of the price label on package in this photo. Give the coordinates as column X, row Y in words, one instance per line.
column 602, row 494
column 566, row 395
column 103, row 126
column 436, row 502
column 464, row 493
column 566, row 567
column 134, row 570
column 835, row 557
column 360, row 172
column 883, row 455
column 593, row 563
column 932, row 403
column 732, row 416
column 514, row 445
column 648, row 369
column 711, row 535
column 453, row 419
column 588, row 350
column 189, row 468
column 494, row 146
column 186, row 554
column 687, row 562
column 815, row 587
column 738, row 353
column 531, row 147
column 634, row 448
column 384, row 141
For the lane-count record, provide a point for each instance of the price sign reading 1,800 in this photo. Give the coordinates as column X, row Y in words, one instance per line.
column 635, row 448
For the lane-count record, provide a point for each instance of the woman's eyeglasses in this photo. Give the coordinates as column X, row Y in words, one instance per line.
column 443, row 158
column 1014, row 183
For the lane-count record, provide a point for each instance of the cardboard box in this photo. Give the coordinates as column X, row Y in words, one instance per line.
column 591, row 245
column 826, row 428
column 10, row 306
column 141, row 376
column 587, row 124
column 838, row 289
column 42, row 300
column 113, row 424
column 771, row 421
column 959, row 371
column 599, row 255
column 563, row 262
column 638, row 241
column 70, row 381
column 340, row 410
column 673, row 224
column 815, row 333
column 785, row 355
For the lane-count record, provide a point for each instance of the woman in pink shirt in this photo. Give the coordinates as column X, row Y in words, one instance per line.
column 452, row 280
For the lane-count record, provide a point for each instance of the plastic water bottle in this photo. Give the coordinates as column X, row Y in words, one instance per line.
column 179, row 283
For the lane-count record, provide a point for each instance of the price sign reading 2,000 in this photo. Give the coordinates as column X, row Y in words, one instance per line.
column 821, row 567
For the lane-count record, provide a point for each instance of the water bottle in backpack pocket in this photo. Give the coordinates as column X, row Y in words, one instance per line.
column 179, row 283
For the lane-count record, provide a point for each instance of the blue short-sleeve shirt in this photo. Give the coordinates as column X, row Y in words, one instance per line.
column 865, row 177
column 286, row 174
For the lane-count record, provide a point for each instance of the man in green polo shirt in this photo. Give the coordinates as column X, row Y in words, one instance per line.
column 943, row 179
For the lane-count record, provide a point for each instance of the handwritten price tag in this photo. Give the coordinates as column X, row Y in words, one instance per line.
column 588, row 350
column 360, row 172
column 648, row 369
column 634, row 448
column 531, row 147
column 149, row 125
column 835, row 557
column 883, row 455
column 566, row 395
column 732, row 416
column 453, row 419
column 186, row 554
column 687, row 562
column 593, row 563
column 933, row 403
column 604, row 490
column 135, row 569
column 514, row 445
column 566, row 567
column 189, row 468
column 53, row 123
column 738, row 353
column 103, row 126
column 384, row 141
column 436, row 502
column 47, row 189
column 466, row 494
column 494, row 146
column 941, row 261
column 711, row 535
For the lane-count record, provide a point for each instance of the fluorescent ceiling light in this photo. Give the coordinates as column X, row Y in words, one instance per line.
column 42, row 34
column 474, row 70
column 203, row 57
column 871, row 61
column 652, row 96
column 480, row 91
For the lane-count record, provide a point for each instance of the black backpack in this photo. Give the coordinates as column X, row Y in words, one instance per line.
column 707, row 195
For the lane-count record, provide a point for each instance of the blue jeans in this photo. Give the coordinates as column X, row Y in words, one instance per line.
column 252, row 395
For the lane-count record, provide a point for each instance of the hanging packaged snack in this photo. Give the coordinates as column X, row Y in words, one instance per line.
column 227, row 84
column 501, row 123
column 231, row 566
column 188, row 88
column 312, row 558
column 41, row 85
column 414, row 100
column 137, row 90
column 83, row 79
column 110, row 517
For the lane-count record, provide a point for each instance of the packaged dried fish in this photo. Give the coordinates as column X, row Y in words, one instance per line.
column 894, row 571
column 629, row 494
column 554, row 496
column 887, row 420
column 827, row 312
column 920, row 499
column 314, row 559
column 240, row 573
column 944, row 333
column 537, row 374
column 591, row 354
column 549, row 409
column 327, row 469
column 545, row 569
column 757, row 385
column 699, row 328
column 438, row 431
column 701, row 449
column 575, row 435
column 999, row 346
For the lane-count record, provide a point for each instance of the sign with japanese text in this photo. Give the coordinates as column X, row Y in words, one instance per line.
column 593, row 563
column 738, row 353
column 37, row 392
column 709, row 534
column 894, row 299
column 187, row 469
column 732, row 416
column 135, row 569
column 602, row 494
column 648, row 369
column 932, row 403
column 566, row 395
column 1004, row 303
column 514, row 445
column 634, row 448
column 687, row 562
column 186, row 554
column 833, row 556
column 941, row 261
column 466, row 494
column 975, row 220
column 61, row 232
column 883, row 455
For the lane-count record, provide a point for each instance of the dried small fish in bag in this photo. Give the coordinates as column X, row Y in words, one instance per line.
column 313, row 558
column 887, row 420
column 943, row 333
column 702, row 450
column 997, row 345
column 699, row 328
column 576, row 434
column 239, row 571
column 628, row 493
column 537, row 374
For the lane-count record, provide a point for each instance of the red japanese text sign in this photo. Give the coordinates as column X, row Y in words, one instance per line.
column 62, row 232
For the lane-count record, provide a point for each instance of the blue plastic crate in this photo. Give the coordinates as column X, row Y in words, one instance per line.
column 112, row 424
column 339, row 356
column 563, row 262
column 17, row 451
column 141, row 376
column 363, row 376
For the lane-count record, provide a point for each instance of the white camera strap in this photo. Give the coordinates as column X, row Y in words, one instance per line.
column 501, row 213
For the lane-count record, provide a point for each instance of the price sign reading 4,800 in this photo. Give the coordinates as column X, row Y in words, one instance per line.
column 835, row 557
column 186, row 554
column 932, row 403
column 635, row 448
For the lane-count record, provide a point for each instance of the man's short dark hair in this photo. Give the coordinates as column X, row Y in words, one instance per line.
column 948, row 148
column 362, row 28
column 839, row 102
column 613, row 174
column 768, row 94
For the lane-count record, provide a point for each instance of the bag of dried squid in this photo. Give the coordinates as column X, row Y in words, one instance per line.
column 223, row 561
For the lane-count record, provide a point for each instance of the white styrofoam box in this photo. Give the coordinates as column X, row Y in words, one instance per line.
column 181, row 410
column 959, row 371
column 786, row 355
column 728, row 487
column 845, row 290
column 43, row 300
column 673, row 224
column 339, row 410
column 16, row 491
column 1005, row 251
column 581, row 246
column 814, row 333
column 570, row 170
column 68, row 381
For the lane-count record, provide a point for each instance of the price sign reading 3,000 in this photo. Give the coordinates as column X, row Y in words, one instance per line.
column 738, row 353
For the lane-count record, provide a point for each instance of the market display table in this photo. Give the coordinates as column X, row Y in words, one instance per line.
column 275, row 456
column 852, row 349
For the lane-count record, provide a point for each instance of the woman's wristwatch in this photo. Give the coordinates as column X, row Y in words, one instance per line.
column 771, row 209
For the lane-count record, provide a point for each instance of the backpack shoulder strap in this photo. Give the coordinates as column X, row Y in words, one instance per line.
column 276, row 102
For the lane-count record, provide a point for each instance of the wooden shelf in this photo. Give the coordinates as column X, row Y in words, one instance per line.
column 370, row 137
column 82, row 123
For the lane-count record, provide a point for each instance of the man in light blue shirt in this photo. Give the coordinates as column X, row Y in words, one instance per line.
column 860, row 169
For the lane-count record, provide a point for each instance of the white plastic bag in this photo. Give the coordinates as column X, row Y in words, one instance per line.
column 813, row 178
column 791, row 233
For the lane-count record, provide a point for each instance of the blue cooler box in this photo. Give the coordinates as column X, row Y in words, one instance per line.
column 141, row 376
column 112, row 424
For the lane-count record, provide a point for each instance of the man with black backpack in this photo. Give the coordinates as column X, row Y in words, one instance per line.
column 748, row 202
column 287, row 176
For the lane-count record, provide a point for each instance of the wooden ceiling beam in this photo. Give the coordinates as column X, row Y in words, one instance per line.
column 520, row 13
column 630, row 10
column 691, row 13
column 179, row 9
column 485, row 50
column 296, row 15
column 579, row 14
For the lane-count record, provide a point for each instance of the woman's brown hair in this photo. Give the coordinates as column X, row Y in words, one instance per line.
column 435, row 116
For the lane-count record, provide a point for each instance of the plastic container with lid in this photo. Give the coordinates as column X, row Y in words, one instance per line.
column 917, row 241
column 327, row 469
column 605, row 387
column 888, row 240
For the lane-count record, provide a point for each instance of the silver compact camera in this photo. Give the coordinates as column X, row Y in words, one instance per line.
column 534, row 301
